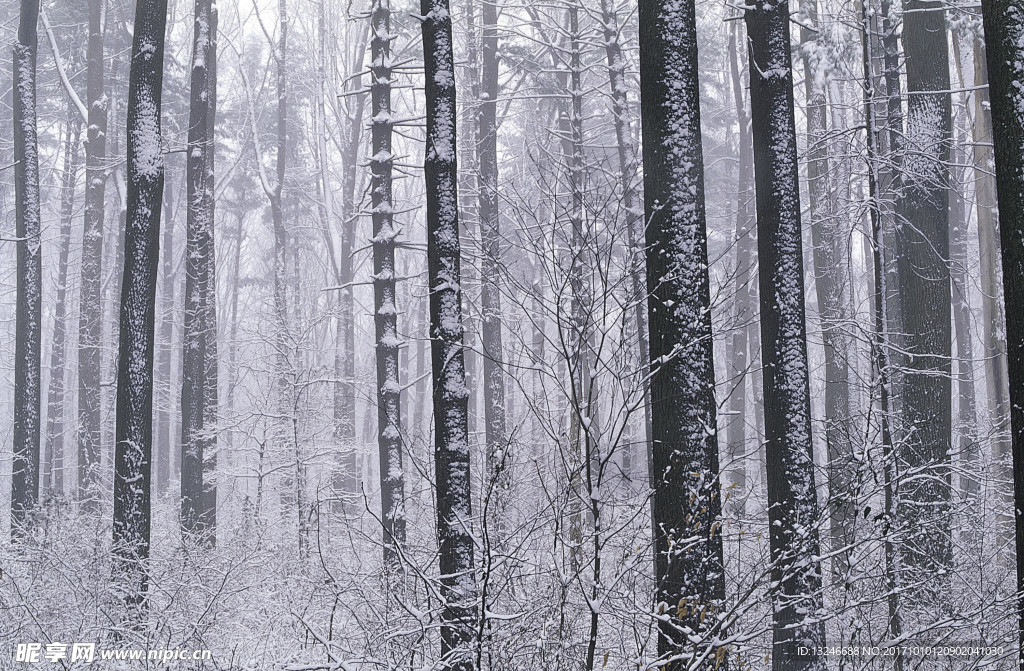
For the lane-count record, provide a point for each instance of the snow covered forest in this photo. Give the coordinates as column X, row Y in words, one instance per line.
column 471, row 335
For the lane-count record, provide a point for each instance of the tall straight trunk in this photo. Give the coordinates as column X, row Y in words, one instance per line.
column 498, row 465
column 199, row 346
column 164, row 351
column 90, row 313
column 459, row 645
column 922, row 249
column 993, row 338
column 880, row 340
column 738, row 357
column 29, row 306
column 792, row 499
column 134, row 425
column 690, row 576
column 626, row 154
column 389, row 433
column 54, row 463
column 967, row 448
column 1004, row 43
column 832, row 286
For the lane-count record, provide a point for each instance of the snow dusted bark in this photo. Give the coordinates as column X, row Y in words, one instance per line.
column 1004, row 42
column 164, row 443
column 495, row 435
column 832, row 287
column 53, row 464
column 686, row 502
column 389, row 434
column 922, row 249
column 90, row 312
column 451, row 440
column 134, row 427
column 28, row 314
column 792, row 499
column 199, row 349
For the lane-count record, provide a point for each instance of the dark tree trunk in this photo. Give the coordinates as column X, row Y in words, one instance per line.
column 134, row 427
column 832, row 289
column 451, row 440
column 1004, row 42
column 690, row 578
column 29, row 309
column 90, row 314
column 792, row 499
column 199, row 349
column 389, row 433
column 54, row 464
column 498, row 464
column 922, row 253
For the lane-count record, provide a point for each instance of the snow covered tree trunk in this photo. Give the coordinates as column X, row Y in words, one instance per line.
column 165, row 440
column 495, row 435
column 832, row 287
column 199, row 349
column 459, row 645
column 738, row 356
column 686, row 502
column 134, row 425
column 389, row 431
column 53, row 475
column 29, row 303
column 922, row 253
column 90, row 312
column 792, row 499
column 1004, row 43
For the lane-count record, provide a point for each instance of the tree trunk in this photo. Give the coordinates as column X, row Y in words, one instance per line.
column 922, row 250
column 389, row 432
column 451, row 440
column 690, row 577
column 90, row 326
column 832, row 288
column 1004, row 43
column 199, row 342
column 134, row 426
column 54, row 464
column 792, row 498
column 498, row 461
column 28, row 314
column 165, row 439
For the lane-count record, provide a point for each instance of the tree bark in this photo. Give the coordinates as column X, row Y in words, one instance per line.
column 90, row 314
column 199, row 347
column 451, row 440
column 1004, row 43
column 29, row 304
column 389, row 431
column 922, row 251
column 792, row 499
column 690, row 576
column 134, row 424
